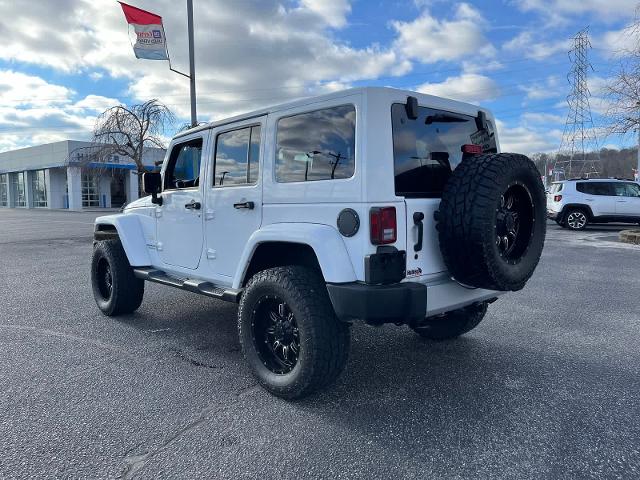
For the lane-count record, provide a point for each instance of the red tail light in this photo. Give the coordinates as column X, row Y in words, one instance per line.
column 557, row 198
column 472, row 149
column 382, row 225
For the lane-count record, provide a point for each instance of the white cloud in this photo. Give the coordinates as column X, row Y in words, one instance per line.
column 18, row 89
column 34, row 111
column 560, row 10
column 468, row 87
column 542, row 118
column 525, row 43
column 527, row 140
column 550, row 88
column 334, row 12
column 96, row 103
column 248, row 53
column 616, row 43
column 429, row 39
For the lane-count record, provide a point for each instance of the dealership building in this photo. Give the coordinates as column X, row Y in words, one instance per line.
column 68, row 175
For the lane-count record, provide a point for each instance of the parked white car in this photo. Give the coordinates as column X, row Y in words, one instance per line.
column 574, row 204
column 372, row 204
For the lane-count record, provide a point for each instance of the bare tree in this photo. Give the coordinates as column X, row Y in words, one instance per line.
column 127, row 131
column 623, row 90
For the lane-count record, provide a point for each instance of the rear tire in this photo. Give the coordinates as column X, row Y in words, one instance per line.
column 116, row 289
column 452, row 324
column 289, row 334
column 576, row 219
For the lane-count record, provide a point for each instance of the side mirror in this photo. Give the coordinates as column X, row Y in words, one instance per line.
column 152, row 184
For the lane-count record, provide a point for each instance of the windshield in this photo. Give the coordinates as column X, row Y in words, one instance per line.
column 426, row 150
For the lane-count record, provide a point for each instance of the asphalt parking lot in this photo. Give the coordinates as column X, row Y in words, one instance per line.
column 547, row 387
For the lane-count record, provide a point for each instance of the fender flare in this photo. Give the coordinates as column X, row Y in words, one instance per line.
column 131, row 236
column 325, row 241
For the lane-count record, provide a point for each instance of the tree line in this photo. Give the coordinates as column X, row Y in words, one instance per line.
column 613, row 163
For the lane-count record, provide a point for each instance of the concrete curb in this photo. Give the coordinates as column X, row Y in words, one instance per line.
column 630, row 236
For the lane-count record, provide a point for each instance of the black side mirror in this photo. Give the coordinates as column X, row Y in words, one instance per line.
column 152, row 184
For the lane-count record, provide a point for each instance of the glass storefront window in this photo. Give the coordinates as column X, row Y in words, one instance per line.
column 4, row 190
column 39, row 188
column 18, row 189
column 90, row 196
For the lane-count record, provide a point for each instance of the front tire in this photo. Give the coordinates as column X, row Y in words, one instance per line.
column 115, row 288
column 576, row 219
column 452, row 324
column 289, row 333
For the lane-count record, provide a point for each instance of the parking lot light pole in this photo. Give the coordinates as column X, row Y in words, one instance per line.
column 192, row 64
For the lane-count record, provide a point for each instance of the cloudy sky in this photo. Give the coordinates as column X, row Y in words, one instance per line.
column 64, row 61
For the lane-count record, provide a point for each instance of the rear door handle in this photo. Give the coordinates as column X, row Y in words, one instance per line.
column 247, row 205
column 192, row 205
column 417, row 220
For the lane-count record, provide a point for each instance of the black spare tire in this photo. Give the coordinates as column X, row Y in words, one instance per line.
column 492, row 221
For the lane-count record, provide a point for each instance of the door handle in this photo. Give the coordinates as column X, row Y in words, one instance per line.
column 417, row 220
column 247, row 205
column 622, row 201
column 192, row 205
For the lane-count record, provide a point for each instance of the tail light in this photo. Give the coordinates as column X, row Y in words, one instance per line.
column 472, row 149
column 382, row 225
column 557, row 198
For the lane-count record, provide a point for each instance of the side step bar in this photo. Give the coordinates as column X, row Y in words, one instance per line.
column 191, row 285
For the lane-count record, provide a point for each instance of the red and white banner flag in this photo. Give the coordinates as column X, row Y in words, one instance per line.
column 151, row 42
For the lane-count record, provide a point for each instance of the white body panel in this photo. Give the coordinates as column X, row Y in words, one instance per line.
column 628, row 206
column 216, row 243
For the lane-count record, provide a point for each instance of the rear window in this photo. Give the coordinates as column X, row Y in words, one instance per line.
column 426, row 150
column 556, row 188
column 595, row 188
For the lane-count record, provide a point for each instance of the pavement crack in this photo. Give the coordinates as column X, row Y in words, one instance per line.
column 183, row 356
column 134, row 463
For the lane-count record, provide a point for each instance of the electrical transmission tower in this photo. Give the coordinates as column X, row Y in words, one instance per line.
column 579, row 137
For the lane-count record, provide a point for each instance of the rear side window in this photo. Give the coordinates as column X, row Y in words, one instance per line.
column 237, row 157
column 426, row 150
column 627, row 189
column 595, row 188
column 317, row 145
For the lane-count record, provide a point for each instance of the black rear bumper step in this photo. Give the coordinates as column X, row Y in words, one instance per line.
column 191, row 285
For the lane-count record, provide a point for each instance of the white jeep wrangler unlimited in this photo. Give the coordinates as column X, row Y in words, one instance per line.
column 372, row 204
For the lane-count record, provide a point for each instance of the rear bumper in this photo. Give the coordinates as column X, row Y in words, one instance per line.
column 404, row 302
column 377, row 304
column 553, row 215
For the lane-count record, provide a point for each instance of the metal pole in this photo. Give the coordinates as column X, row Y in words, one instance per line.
column 192, row 64
column 637, row 176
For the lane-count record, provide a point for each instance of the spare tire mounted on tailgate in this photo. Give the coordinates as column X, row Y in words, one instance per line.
column 492, row 221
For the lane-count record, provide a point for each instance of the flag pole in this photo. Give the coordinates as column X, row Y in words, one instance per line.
column 192, row 64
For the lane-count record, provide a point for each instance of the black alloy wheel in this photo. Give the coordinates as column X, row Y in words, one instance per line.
column 276, row 335
column 514, row 222
column 104, row 279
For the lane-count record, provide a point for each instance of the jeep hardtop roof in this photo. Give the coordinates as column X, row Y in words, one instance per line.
column 433, row 101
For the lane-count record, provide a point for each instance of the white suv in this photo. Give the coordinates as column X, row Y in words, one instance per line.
column 372, row 204
column 574, row 204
